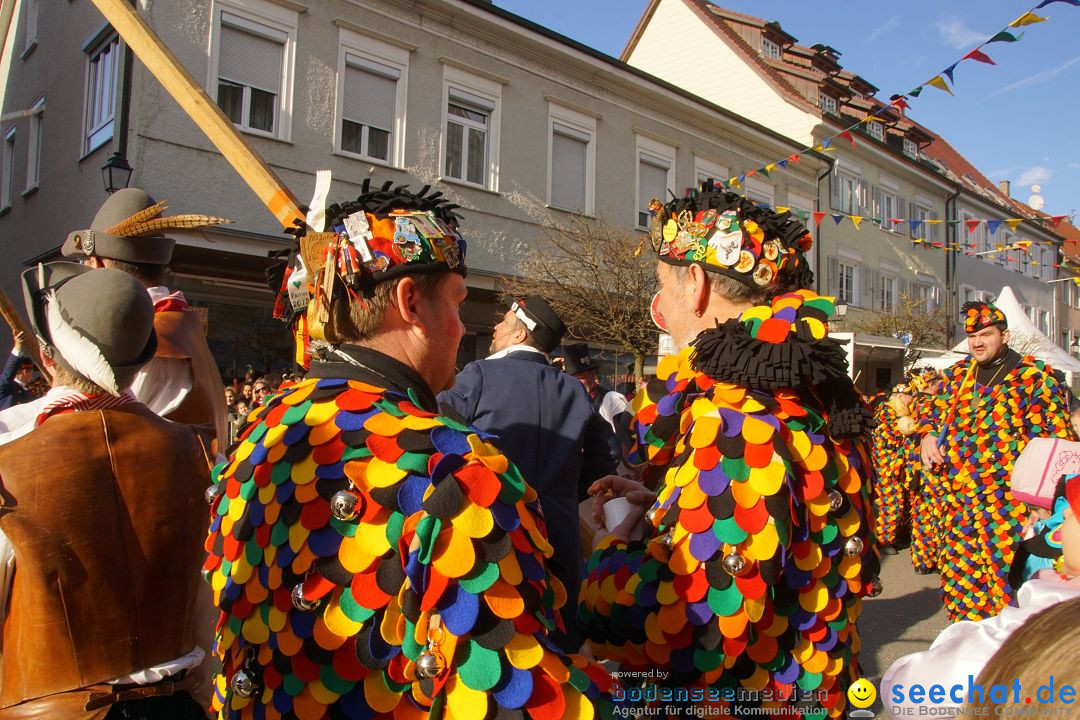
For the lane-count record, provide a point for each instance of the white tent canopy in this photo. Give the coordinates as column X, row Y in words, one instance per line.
column 1026, row 337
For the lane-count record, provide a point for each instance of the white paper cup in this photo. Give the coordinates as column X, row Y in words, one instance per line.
column 615, row 511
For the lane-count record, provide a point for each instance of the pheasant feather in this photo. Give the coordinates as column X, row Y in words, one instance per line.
column 120, row 228
column 173, row 222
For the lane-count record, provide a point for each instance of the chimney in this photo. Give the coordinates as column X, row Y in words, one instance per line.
column 1004, row 186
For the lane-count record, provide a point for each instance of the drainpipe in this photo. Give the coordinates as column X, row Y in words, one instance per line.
column 125, row 101
column 817, row 245
column 951, row 230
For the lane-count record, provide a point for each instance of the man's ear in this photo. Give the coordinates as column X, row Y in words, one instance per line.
column 520, row 336
column 406, row 298
column 699, row 289
column 1005, row 336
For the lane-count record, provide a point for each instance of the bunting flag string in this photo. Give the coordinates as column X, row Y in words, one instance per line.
column 900, row 101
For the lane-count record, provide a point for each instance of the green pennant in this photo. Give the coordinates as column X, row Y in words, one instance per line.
column 916, row 91
column 1005, row 37
column 764, row 172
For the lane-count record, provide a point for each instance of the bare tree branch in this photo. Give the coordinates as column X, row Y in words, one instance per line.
column 928, row 329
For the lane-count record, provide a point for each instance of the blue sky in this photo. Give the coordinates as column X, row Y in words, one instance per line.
column 1016, row 120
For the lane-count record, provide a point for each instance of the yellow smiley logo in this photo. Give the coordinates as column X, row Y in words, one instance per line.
column 862, row 693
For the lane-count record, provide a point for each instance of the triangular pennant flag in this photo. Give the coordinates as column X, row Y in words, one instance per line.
column 838, row 218
column 826, row 143
column 934, row 222
column 855, row 220
column 972, row 225
column 878, row 220
column 949, row 71
column 952, row 222
column 1037, row 220
column 766, row 206
column 1044, row 3
column 917, row 241
column 1076, row 280
column 980, row 56
column 818, row 217
column 1023, row 244
column 847, row 136
column 898, row 100
column 793, row 159
column 895, row 221
column 1013, row 223
column 1056, row 219
column 771, row 166
column 742, row 177
column 781, row 209
column 916, row 91
column 764, row 171
column 1004, row 36
column 782, row 163
column 1028, row 18
column 915, row 225
column 940, row 84
column 751, row 173
column 992, row 226
column 734, row 182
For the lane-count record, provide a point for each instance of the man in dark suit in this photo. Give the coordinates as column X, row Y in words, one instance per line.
column 545, row 424
column 16, row 377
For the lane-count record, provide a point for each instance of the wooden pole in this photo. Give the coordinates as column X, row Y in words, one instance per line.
column 193, row 100
column 14, row 321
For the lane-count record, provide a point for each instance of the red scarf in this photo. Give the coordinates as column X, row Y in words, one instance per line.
column 76, row 401
column 176, row 302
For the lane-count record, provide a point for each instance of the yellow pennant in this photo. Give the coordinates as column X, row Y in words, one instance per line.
column 855, row 220
column 940, row 84
column 934, row 222
column 781, row 209
column 1013, row 223
column 1028, row 18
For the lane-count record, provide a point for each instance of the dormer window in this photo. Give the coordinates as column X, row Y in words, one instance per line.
column 828, row 103
column 911, row 149
column 876, row 130
column 770, row 49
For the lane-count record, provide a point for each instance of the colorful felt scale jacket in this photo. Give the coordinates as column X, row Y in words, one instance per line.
column 445, row 527
column 892, row 506
column 982, row 430
column 749, row 471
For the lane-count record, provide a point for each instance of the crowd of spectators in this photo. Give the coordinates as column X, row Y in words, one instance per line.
column 244, row 394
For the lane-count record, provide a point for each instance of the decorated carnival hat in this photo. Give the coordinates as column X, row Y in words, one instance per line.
column 99, row 323
column 130, row 227
column 543, row 323
column 728, row 234
column 979, row 315
column 578, row 359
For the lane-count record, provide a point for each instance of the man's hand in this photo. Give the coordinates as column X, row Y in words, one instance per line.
column 612, row 486
column 17, row 337
column 930, row 452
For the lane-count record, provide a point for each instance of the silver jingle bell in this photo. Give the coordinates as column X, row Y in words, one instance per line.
column 343, row 505
column 243, row 684
column 836, row 499
column 854, row 547
column 213, row 493
column 735, row 564
column 875, row 587
column 300, row 602
column 430, row 664
column 667, row 539
column 650, row 516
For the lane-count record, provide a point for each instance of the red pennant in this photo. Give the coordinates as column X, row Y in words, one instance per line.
column 751, row 173
column 1056, row 219
column 901, row 103
column 972, row 224
column 793, row 159
column 980, row 56
column 818, row 217
column 847, row 136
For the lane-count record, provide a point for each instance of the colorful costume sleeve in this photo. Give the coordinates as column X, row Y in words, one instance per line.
column 935, row 409
column 1049, row 409
column 752, row 567
column 372, row 559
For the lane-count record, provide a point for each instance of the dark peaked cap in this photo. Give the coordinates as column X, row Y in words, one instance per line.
column 577, row 358
column 543, row 323
column 129, row 227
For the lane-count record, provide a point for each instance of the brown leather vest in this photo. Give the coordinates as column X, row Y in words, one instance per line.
column 180, row 335
column 106, row 513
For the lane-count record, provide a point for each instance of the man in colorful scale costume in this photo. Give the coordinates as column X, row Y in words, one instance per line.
column 892, row 498
column 986, row 409
column 927, row 492
column 757, row 550
column 371, row 556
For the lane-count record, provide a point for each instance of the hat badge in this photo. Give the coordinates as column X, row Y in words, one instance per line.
column 85, row 241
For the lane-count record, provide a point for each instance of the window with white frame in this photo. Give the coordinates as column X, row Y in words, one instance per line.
column 36, row 138
column 7, row 169
column 572, row 159
column 911, row 149
column 889, row 295
column 251, row 65
column 923, row 230
column 655, row 175
column 706, row 169
column 102, row 75
column 770, row 49
column 847, row 192
column 801, row 207
column 927, row 293
column 887, row 205
column 371, row 98
column 875, row 130
column 828, row 103
column 758, row 191
column 967, row 294
column 471, row 120
column 1043, row 321
column 846, row 282
column 31, row 32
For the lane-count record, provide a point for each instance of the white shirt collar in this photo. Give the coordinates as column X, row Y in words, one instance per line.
column 517, row 348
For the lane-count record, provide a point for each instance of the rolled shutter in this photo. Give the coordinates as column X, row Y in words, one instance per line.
column 568, row 151
column 251, row 59
column 370, row 93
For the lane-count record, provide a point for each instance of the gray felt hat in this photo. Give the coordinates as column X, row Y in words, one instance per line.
column 129, row 227
column 99, row 322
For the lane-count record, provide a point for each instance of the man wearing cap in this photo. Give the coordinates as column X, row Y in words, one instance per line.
column 182, row 382
column 16, row 376
column 757, row 544
column 372, row 555
column 612, row 406
column 986, row 409
column 101, row 615
column 545, row 424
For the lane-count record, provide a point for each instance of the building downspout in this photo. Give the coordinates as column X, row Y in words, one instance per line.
column 125, row 101
column 951, row 230
column 817, row 245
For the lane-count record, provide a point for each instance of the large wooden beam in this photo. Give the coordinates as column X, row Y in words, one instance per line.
column 191, row 97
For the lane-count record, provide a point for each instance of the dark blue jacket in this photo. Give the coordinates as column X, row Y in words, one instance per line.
column 546, row 425
column 11, row 392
